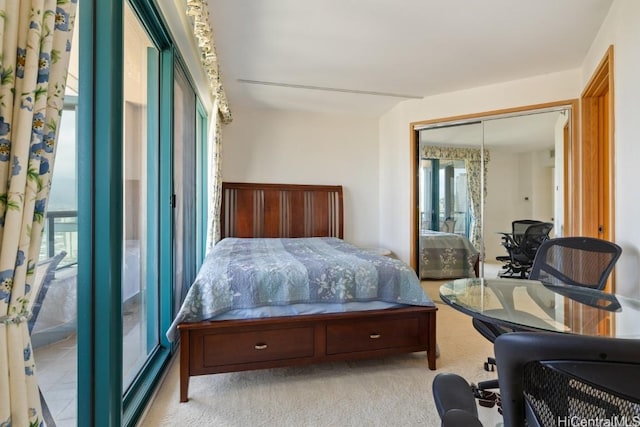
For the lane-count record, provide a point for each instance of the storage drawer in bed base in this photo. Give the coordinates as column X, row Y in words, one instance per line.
column 239, row 345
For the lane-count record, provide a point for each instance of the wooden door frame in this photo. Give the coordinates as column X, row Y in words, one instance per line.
column 596, row 170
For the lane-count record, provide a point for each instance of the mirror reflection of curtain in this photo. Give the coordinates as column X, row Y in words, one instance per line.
column 473, row 158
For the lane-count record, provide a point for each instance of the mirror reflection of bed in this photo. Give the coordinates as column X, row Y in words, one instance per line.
column 445, row 255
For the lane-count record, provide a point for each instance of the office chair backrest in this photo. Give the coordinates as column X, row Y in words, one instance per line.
column 533, row 237
column 558, row 379
column 519, row 226
column 578, row 261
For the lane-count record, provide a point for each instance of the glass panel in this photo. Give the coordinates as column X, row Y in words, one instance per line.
column 453, row 204
column 140, row 332
column 449, row 187
column 444, row 202
column 53, row 323
column 525, row 174
column 54, row 320
column 184, row 186
column 61, row 229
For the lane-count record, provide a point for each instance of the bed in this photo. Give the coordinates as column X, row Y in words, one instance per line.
column 234, row 329
column 447, row 256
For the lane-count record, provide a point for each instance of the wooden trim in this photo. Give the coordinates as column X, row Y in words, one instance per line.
column 491, row 113
column 414, row 218
column 596, row 172
column 566, row 135
column 596, row 168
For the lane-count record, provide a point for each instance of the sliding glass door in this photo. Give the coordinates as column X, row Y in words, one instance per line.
column 443, row 199
column 184, row 186
column 140, row 329
column 140, row 208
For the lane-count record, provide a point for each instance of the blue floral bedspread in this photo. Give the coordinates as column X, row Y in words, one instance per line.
column 446, row 256
column 248, row 273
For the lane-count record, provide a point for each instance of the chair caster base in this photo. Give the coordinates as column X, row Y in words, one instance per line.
column 490, row 364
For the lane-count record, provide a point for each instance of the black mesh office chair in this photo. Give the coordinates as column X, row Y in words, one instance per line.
column 577, row 261
column 522, row 248
column 551, row 379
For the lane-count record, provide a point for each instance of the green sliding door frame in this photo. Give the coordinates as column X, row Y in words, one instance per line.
column 202, row 208
column 99, row 230
column 100, row 193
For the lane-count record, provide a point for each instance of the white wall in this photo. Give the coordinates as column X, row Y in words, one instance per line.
column 621, row 30
column 309, row 148
column 395, row 176
column 541, row 178
column 501, row 187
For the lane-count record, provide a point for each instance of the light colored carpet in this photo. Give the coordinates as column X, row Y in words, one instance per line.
column 393, row 391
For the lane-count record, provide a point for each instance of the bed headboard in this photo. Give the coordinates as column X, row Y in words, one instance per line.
column 281, row 210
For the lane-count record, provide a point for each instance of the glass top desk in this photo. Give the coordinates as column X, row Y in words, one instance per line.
column 531, row 305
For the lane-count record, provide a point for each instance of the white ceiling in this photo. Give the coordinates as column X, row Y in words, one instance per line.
column 395, row 49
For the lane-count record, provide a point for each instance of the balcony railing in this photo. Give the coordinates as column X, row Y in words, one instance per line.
column 61, row 234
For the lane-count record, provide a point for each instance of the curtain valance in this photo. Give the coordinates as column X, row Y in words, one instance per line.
column 453, row 153
column 203, row 32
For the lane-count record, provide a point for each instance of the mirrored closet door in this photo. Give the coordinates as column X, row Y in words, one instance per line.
column 520, row 159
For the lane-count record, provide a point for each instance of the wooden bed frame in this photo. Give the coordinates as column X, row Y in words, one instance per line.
column 285, row 210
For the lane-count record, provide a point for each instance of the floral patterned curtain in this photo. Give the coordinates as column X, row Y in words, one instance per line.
column 36, row 40
column 214, row 179
column 199, row 13
column 473, row 158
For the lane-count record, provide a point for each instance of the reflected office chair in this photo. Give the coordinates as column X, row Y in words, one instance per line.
column 518, row 228
column 522, row 249
column 549, row 379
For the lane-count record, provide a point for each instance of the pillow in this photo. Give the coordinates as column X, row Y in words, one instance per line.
column 45, row 272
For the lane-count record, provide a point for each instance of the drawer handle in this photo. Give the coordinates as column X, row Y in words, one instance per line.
column 374, row 336
column 260, row 346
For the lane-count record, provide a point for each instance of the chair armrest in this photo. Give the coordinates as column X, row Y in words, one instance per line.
column 451, row 391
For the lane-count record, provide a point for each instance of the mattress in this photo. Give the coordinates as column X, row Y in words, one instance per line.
column 295, row 276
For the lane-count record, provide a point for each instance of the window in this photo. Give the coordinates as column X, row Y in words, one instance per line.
column 53, row 333
column 444, row 202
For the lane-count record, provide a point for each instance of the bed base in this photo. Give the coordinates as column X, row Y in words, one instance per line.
column 211, row 347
